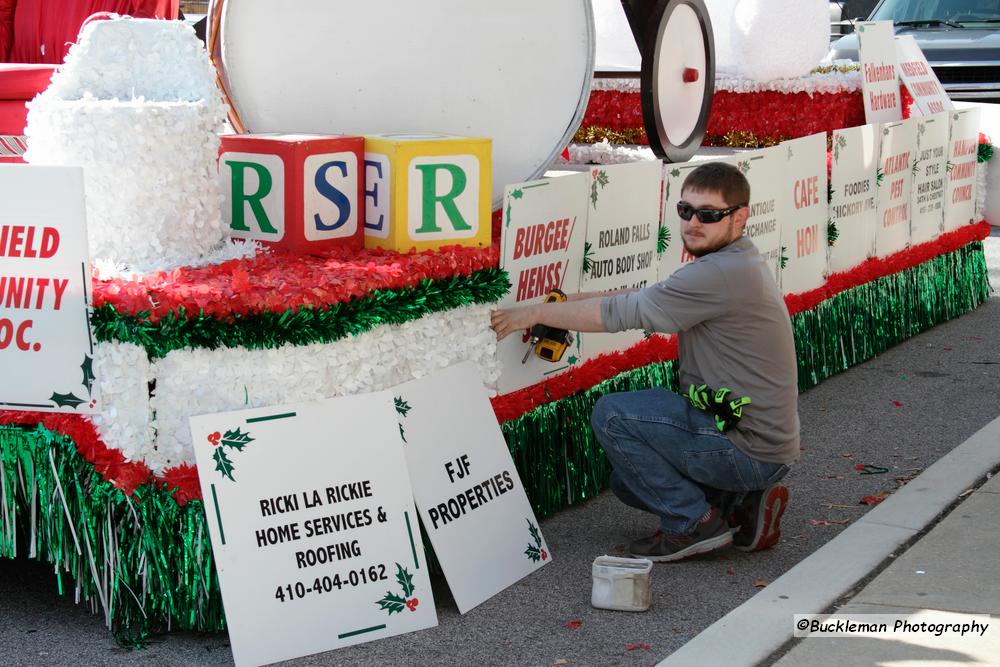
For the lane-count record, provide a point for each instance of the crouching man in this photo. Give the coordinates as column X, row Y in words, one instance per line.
column 706, row 462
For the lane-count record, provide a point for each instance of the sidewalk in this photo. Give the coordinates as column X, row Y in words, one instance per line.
column 950, row 569
column 931, row 548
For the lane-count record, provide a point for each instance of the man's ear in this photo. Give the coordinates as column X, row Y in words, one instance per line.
column 740, row 218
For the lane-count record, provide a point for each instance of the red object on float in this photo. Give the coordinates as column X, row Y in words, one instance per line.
column 298, row 226
column 690, row 75
column 43, row 30
column 18, row 84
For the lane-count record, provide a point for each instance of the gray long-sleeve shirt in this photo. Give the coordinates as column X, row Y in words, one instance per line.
column 733, row 331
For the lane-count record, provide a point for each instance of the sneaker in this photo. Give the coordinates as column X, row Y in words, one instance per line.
column 758, row 518
column 711, row 534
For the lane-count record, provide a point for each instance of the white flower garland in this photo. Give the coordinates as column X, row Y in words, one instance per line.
column 981, row 186
column 127, row 58
column 136, row 105
column 123, row 373
column 192, row 382
column 838, row 79
column 605, row 152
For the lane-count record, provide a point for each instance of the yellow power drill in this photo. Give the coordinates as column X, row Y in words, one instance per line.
column 548, row 342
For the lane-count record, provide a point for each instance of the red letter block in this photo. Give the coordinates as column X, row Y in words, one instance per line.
column 303, row 193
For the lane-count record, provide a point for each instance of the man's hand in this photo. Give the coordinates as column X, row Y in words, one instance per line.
column 509, row 320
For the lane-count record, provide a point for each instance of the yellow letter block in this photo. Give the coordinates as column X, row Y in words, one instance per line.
column 425, row 191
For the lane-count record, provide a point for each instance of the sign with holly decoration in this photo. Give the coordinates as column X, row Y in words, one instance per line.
column 803, row 210
column 313, row 526
column 542, row 241
column 471, row 500
column 670, row 244
column 46, row 344
column 854, row 195
column 620, row 251
column 879, row 74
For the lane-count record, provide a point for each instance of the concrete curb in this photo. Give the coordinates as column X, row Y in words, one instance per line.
column 760, row 626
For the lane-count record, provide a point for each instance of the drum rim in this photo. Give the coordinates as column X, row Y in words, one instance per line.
column 214, row 44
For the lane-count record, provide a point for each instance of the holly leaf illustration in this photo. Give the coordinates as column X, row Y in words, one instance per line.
column 588, row 256
column 405, row 580
column 223, row 464
column 533, row 553
column 517, row 194
column 402, row 434
column 402, row 407
column 236, row 439
column 662, row 240
column 675, row 172
column 831, row 232
column 572, row 360
column 535, row 535
column 392, row 603
column 784, row 257
column 64, row 400
column 88, row 373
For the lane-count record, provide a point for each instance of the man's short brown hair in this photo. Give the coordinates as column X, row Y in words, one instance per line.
column 722, row 178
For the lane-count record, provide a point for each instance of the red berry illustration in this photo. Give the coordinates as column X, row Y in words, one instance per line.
column 545, row 554
column 412, row 604
column 215, row 438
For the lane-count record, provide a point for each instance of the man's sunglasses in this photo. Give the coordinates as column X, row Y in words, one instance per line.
column 705, row 215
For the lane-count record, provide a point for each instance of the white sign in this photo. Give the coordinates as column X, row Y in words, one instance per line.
column 963, row 152
column 621, row 239
column 929, row 96
column 46, row 346
column 315, row 535
column 879, row 79
column 471, row 500
column 855, row 193
column 803, row 212
column 763, row 170
column 544, row 227
column 898, row 148
column 675, row 253
column 929, row 174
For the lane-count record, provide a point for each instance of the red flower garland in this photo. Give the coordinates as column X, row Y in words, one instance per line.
column 275, row 281
column 770, row 116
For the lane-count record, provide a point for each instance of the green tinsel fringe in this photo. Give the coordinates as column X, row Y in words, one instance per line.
column 143, row 562
column 303, row 326
column 867, row 320
column 146, row 563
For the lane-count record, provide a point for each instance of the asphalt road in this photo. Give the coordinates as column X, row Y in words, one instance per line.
column 903, row 410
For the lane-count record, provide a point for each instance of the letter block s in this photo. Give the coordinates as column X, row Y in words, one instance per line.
column 302, row 193
column 425, row 191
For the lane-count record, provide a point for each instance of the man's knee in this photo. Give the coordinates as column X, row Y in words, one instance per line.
column 607, row 406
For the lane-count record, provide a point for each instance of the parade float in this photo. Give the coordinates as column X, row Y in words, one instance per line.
column 194, row 310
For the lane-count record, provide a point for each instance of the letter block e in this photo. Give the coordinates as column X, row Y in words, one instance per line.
column 301, row 193
column 425, row 191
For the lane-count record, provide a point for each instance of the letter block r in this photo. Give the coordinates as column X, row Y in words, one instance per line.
column 240, row 196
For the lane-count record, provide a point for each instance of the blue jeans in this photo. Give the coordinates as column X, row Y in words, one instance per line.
column 667, row 455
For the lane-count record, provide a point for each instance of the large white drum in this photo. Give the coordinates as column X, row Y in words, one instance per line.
column 517, row 71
